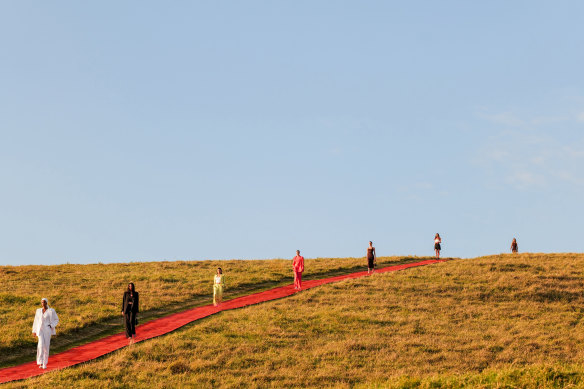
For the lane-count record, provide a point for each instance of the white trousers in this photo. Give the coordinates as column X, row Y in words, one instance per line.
column 43, row 346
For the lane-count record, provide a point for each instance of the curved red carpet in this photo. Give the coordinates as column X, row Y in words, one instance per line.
column 170, row 323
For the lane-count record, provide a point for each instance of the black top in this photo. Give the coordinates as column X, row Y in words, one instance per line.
column 131, row 303
column 370, row 253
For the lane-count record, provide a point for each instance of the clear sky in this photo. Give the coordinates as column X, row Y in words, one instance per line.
column 134, row 131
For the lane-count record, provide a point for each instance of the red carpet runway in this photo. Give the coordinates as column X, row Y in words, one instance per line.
column 167, row 324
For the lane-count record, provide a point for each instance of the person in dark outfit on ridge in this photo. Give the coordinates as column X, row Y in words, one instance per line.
column 371, row 258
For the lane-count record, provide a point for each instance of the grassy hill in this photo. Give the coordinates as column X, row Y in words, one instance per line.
column 498, row 321
column 88, row 297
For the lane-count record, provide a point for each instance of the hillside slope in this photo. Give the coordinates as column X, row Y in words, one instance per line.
column 484, row 322
column 88, row 297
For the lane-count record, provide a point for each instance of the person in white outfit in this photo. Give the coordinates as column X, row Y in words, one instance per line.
column 45, row 321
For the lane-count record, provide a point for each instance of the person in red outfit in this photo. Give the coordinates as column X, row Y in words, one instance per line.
column 298, row 266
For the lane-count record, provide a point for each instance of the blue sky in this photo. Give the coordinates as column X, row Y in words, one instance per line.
column 219, row 130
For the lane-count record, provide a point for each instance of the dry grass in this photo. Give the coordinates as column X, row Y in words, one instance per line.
column 87, row 298
column 492, row 322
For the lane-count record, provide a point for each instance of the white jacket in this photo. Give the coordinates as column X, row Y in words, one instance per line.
column 49, row 319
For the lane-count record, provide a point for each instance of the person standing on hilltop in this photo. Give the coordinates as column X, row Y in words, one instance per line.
column 371, row 258
column 130, row 308
column 218, row 284
column 437, row 247
column 45, row 321
column 514, row 247
column 298, row 266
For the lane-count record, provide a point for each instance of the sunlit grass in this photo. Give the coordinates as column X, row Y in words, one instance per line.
column 499, row 321
column 87, row 298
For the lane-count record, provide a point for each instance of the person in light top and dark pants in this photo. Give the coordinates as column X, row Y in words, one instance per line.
column 437, row 247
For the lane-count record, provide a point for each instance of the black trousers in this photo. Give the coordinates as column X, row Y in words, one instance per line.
column 130, row 322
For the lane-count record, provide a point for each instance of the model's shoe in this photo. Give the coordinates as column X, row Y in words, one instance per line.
column 44, row 366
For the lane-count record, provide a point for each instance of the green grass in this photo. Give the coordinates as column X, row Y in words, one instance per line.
column 491, row 322
column 87, row 298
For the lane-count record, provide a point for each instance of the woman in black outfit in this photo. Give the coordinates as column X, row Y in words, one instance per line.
column 130, row 307
column 371, row 258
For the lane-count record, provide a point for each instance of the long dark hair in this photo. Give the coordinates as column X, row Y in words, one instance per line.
column 132, row 289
